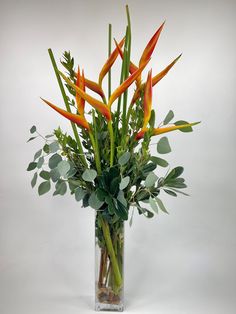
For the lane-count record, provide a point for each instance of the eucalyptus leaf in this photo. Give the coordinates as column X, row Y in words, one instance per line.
column 45, row 175
column 63, row 167
column 55, row 175
column 44, row 187
column 124, row 182
column 37, row 154
column 61, row 188
column 79, row 194
column 163, row 146
column 46, row 148
column 169, row 117
column 170, row 192
column 33, row 129
column 53, row 147
column 94, row 202
column 124, row 158
column 31, row 166
column 89, row 175
column 150, row 179
column 54, row 161
column 34, row 180
column 40, row 162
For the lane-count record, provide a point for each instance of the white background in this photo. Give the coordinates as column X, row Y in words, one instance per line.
column 179, row 263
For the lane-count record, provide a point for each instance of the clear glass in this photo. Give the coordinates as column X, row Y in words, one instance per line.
column 109, row 264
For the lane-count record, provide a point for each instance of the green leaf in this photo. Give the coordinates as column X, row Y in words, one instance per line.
column 61, row 188
column 148, row 168
column 152, row 119
column 44, row 187
column 45, row 175
column 101, row 194
column 161, row 205
column 121, row 198
column 180, row 192
column 187, row 129
column 54, row 161
column 150, row 179
column 153, row 204
column 169, row 117
column 89, row 175
column 40, row 162
column 55, row 175
column 175, row 173
column 46, row 148
column 163, row 146
column 31, row 138
column 170, row 192
column 94, row 202
column 53, row 147
column 34, row 180
column 37, row 154
column 111, row 206
column 33, row 129
column 121, row 210
column 49, row 135
column 124, row 158
column 79, row 194
column 31, row 166
column 124, row 182
column 114, row 185
column 63, row 167
column 159, row 161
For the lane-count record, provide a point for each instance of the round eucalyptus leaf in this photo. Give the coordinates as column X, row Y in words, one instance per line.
column 53, row 147
column 45, row 175
column 33, row 129
column 54, row 161
column 61, row 188
column 37, row 154
column 79, row 194
column 55, row 175
column 63, row 167
column 163, row 146
column 124, row 158
column 44, row 187
column 169, row 117
column 89, row 175
column 94, row 202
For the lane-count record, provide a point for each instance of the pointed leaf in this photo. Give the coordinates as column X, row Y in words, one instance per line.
column 44, row 187
column 34, row 180
column 169, row 117
column 150, row 180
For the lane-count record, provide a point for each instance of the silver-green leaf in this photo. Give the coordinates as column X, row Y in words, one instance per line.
column 34, row 180
column 124, row 158
column 161, row 205
column 63, row 167
column 94, row 202
column 153, row 204
column 124, row 182
column 169, row 117
column 163, row 146
column 89, row 175
column 150, row 179
column 44, row 187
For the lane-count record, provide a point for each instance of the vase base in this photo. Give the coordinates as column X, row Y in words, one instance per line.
column 109, row 307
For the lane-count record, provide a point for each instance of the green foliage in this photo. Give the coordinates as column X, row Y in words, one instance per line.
column 163, row 146
column 44, row 187
column 169, row 117
column 89, row 175
column 187, row 129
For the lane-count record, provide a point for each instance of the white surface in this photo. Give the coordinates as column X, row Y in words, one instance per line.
column 183, row 263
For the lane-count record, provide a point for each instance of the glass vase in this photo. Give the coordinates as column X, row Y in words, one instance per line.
column 109, row 264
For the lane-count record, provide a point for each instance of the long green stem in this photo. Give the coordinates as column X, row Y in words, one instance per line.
column 110, row 128
column 96, row 153
column 111, row 252
column 67, row 107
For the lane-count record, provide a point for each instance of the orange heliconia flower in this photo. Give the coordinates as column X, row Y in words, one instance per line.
column 79, row 120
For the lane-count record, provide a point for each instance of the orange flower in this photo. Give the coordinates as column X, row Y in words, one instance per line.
column 155, row 79
column 101, row 107
column 132, row 66
column 161, row 130
column 109, row 62
column 120, row 90
column 79, row 100
column 79, row 120
column 147, row 53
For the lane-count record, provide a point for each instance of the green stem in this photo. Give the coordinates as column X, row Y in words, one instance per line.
column 96, row 153
column 67, row 107
column 111, row 252
column 110, row 128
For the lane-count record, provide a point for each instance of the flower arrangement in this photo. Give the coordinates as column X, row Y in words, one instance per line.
column 107, row 163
